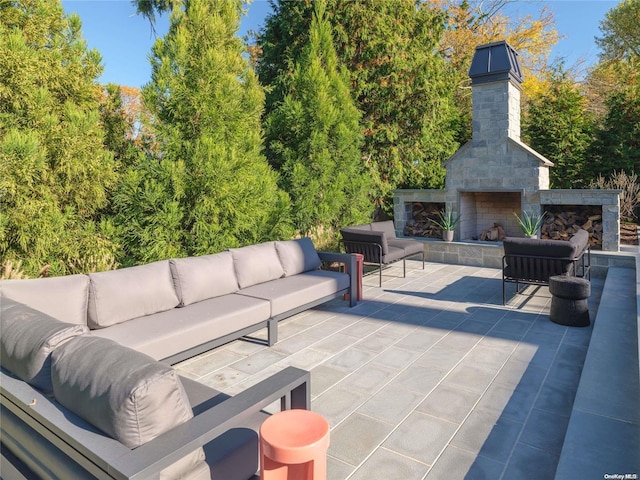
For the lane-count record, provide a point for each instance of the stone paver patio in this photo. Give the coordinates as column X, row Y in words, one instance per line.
column 429, row 377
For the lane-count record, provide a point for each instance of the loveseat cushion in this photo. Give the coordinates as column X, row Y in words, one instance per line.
column 116, row 296
column 352, row 234
column 28, row 338
column 298, row 256
column 256, row 264
column 64, row 298
column 199, row 278
column 124, row 393
column 385, row 226
column 581, row 240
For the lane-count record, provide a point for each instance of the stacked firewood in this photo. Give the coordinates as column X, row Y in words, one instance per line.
column 422, row 223
column 493, row 234
column 560, row 225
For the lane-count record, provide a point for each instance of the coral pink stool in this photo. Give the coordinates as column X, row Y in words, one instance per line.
column 293, row 445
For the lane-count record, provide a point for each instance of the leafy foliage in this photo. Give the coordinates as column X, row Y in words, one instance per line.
column 315, row 139
column 55, row 175
column 558, row 125
column 398, row 80
column 206, row 105
column 620, row 38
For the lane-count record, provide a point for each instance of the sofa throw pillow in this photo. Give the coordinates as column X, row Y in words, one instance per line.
column 256, row 264
column 28, row 338
column 200, row 278
column 298, row 256
column 124, row 393
column 116, row 296
column 64, row 298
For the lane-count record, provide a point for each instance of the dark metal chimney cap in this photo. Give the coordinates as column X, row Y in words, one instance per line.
column 495, row 62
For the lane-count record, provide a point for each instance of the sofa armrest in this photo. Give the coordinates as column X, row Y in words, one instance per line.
column 107, row 458
column 291, row 386
column 351, row 266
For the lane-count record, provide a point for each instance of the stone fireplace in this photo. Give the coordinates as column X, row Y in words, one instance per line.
column 495, row 175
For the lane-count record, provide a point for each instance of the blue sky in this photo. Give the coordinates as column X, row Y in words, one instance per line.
column 124, row 39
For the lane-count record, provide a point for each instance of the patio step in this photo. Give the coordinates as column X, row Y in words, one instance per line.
column 603, row 436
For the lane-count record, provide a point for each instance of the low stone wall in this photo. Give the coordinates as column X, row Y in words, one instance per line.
column 489, row 254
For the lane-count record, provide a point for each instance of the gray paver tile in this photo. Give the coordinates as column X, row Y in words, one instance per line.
column 215, row 360
column 441, row 356
column 449, row 403
column 354, row 440
column 421, row 437
column 419, row 378
column 487, row 433
column 421, row 339
column 350, row 360
column 456, row 463
column 377, row 342
column 337, row 403
column 556, row 398
column 336, row 469
column 396, row 357
column 369, row 379
column 258, row 361
column 293, row 344
column 391, row 404
column 529, row 463
column 545, row 431
column 385, row 465
column 335, row 343
column 324, row 377
column 469, row 377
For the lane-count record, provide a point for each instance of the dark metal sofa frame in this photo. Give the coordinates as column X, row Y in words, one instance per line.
column 537, row 269
column 372, row 253
column 104, row 458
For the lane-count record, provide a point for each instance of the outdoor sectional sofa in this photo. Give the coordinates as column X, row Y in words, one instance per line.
column 83, row 392
column 378, row 243
column 533, row 261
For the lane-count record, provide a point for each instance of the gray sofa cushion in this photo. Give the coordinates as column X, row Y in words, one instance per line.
column 410, row 247
column 126, row 394
column 581, row 240
column 351, row 234
column 168, row 333
column 288, row 293
column 120, row 295
column 64, row 298
column 298, row 256
column 385, row 226
column 28, row 338
column 256, row 264
column 199, row 278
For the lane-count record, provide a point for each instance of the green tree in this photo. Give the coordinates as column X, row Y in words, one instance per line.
column 55, row 174
column 315, row 138
column 558, row 125
column 398, row 80
column 206, row 105
column 620, row 29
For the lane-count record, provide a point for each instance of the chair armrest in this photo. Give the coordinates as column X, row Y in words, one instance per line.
column 291, row 386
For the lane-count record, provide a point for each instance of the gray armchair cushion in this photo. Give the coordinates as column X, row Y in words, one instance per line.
column 256, row 264
column 28, row 338
column 386, row 226
column 124, row 393
column 200, row 278
column 120, row 295
column 349, row 234
column 64, row 298
column 298, row 256
column 581, row 241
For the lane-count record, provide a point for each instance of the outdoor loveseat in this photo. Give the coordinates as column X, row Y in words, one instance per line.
column 78, row 350
column 532, row 261
column 378, row 243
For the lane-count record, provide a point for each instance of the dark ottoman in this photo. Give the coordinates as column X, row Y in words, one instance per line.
column 569, row 300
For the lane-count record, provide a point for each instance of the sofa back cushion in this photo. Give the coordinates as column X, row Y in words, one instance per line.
column 64, row 298
column 120, row 295
column 28, row 338
column 126, row 394
column 386, row 226
column 199, row 278
column 298, row 256
column 256, row 264
column 534, row 246
column 580, row 240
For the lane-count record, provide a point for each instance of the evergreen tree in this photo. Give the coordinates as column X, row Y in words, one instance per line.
column 55, row 175
column 207, row 106
column 398, row 79
column 558, row 125
column 314, row 137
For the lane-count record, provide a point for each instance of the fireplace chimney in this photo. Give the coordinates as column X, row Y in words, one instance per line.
column 496, row 84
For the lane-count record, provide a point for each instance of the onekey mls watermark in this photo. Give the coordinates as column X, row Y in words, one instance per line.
column 621, row 476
